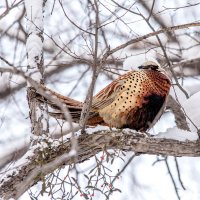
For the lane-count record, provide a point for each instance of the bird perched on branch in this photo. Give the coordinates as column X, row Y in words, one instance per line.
column 135, row 100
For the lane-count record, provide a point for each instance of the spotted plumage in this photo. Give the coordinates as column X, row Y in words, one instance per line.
column 135, row 100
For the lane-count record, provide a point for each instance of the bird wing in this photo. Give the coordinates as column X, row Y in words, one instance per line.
column 107, row 95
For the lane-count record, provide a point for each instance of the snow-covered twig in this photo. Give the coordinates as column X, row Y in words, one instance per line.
column 34, row 43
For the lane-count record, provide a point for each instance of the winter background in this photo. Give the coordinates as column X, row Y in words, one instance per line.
column 147, row 176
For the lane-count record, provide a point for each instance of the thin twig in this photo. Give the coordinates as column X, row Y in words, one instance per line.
column 96, row 70
column 179, row 174
column 138, row 39
column 151, row 11
column 121, row 171
column 77, row 26
column 172, row 178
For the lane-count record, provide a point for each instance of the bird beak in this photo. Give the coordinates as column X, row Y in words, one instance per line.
column 143, row 67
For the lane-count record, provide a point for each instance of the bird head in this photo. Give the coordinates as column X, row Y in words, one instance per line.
column 151, row 65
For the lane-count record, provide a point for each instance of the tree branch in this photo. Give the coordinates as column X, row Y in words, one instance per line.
column 89, row 145
column 138, row 39
column 60, row 67
column 179, row 115
column 158, row 19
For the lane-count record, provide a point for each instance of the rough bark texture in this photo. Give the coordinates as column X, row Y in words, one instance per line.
column 35, row 106
column 89, row 145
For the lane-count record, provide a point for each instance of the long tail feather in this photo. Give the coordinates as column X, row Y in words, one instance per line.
column 74, row 107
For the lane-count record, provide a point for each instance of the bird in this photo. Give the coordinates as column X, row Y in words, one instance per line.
column 134, row 100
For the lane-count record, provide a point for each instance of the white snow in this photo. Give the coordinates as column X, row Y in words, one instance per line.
column 73, row 152
column 191, row 86
column 98, row 128
column 194, row 87
column 189, row 106
column 132, row 63
column 34, row 14
column 34, row 42
column 178, row 134
column 192, row 109
column 34, row 50
column 177, row 94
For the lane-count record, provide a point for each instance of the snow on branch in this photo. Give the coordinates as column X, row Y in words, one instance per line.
column 192, row 108
column 44, row 158
column 34, row 46
column 34, row 43
column 178, row 134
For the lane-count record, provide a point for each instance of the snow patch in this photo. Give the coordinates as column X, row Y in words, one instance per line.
column 34, row 46
column 130, row 131
column 34, row 50
column 34, row 42
column 73, row 152
column 131, row 63
column 192, row 109
column 98, row 128
column 178, row 134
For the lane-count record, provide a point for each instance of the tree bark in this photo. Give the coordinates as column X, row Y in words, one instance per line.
column 89, row 145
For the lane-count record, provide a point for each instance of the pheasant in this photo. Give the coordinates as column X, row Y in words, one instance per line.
column 135, row 100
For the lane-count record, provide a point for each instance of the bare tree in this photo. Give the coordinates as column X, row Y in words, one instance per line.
column 76, row 47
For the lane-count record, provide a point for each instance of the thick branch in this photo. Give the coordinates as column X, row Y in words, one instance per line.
column 90, row 145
